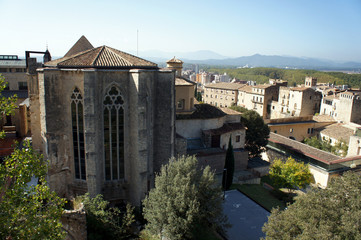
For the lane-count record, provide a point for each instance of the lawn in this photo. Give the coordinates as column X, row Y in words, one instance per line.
column 262, row 196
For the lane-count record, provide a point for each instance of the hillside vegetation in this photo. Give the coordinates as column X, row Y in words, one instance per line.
column 293, row 76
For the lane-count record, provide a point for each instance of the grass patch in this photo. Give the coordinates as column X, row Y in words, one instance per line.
column 260, row 195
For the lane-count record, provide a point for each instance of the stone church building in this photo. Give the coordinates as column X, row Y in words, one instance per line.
column 104, row 119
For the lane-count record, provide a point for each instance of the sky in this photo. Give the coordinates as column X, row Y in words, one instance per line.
column 325, row 29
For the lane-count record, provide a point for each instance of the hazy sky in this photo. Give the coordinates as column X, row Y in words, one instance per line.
column 311, row 28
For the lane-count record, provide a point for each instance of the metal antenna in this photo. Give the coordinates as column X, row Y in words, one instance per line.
column 137, row 43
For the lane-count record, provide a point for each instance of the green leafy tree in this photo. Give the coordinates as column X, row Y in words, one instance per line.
column 238, row 108
column 104, row 222
column 28, row 212
column 340, row 148
column 228, row 172
column 331, row 213
column 184, row 197
column 290, row 174
column 7, row 104
column 257, row 133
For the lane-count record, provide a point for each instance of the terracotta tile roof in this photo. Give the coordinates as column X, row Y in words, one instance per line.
column 80, row 46
column 337, row 131
column 203, row 111
column 101, row 57
column 302, row 148
column 181, row 81
column 174, row 60
column 223, row 85
column 332, row 97
column 229, row 111
column 263, row 86
column 226, row 128
column 246, row 88
column 323, row 118
column 300, row 88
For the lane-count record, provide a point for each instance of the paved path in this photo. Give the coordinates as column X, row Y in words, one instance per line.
column 246, row 216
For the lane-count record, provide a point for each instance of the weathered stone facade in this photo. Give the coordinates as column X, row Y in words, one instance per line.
column 148, row 126
column 74, row 224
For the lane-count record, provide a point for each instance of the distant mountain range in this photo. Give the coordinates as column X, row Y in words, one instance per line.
column 257, row 60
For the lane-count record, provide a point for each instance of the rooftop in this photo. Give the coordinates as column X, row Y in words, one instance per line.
column 337, row 131
column 203, row 111
column 101, row 57
column 246, row 88
column 80, row 46
column 182, row 81
column 301, row 89
column 174, row 60
column 323, row 118
column 304, row 149
column 224, row 85
column 263, row 86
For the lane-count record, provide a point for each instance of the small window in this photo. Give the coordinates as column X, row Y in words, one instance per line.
column 275, row 131
column 291, row 130
column 23, row 85
column 238, row 138
column 180, row 104
column 308, row 130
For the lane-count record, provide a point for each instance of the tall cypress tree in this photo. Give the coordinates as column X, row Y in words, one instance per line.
column 228, row 167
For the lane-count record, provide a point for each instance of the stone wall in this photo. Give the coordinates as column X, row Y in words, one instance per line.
column 192, row 128
column 216, row 161
column 149, row 128
column 74, row 224
column 164, row 118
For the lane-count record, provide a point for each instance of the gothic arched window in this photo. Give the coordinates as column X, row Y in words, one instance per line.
column 78, row 134
column 113, row 134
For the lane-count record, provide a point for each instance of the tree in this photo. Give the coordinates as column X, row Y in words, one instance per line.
column 104, row 222
column 340, row 148
column 290, row 174
column 228, row 172
column 26, row 211
column 184, row 197
column 238, row 108
column 331, row 213
column 257, row 133
column 7, row 104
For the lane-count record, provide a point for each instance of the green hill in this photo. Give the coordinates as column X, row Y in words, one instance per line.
column 293, row 76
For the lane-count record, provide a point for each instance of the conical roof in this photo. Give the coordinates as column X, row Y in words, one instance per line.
column 174, row 60
column 81, row 45
column 102, row 57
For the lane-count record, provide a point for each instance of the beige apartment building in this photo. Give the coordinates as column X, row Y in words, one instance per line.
column 296, row 102
column 221, row 94
column 258, row 98
column 344, row 106
column 184, row 88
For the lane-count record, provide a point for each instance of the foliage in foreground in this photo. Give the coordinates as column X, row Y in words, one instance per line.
column 227, row 178
column 290, row 174
column 104, row 222
column 340, row 148
column 257, row 133
column 7, row 104
column 332, row 213
column 28, row 212
column 183, row 198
